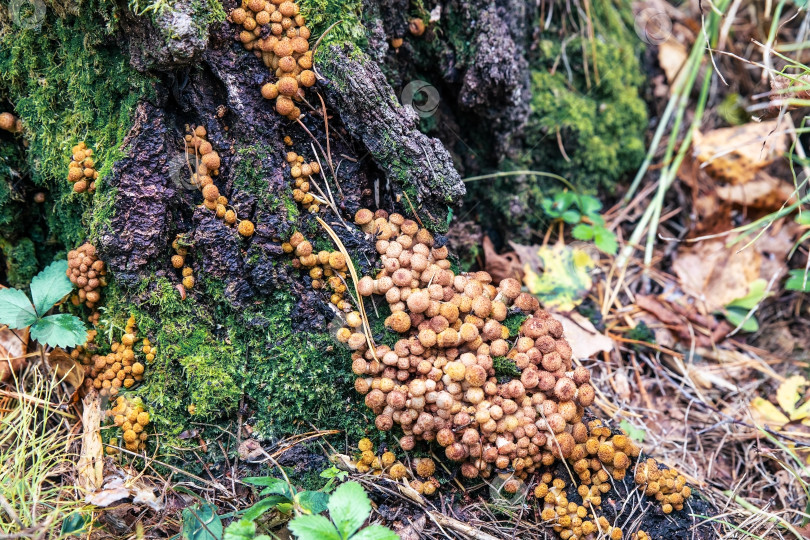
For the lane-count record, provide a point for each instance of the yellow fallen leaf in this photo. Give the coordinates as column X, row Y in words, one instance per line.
column 767, row 413
column 565, row 278
column 788, row 396
column 802, row 413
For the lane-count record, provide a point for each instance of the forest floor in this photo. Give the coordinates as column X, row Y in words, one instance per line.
column 686, row 293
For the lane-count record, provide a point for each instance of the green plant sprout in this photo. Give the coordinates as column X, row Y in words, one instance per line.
column 333, row 474
column 582, row 211
column 740, row 312
column 47, row 288
column 349, row 507
column 282, row 496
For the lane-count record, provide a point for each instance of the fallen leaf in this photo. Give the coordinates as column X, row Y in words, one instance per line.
column 13, row 342
column 13, row 346
column 717, row 274
column 250, row 449
column 559, row 276
column 91, row 461
column 767, row 413
column 66, row 368
column 671, row 56
column 413, row 531
column 501, row 266
column 582, row 335
column 112, row 493
column 735, row 154
column 788, row 396
column 762, row 192
column 120, row 485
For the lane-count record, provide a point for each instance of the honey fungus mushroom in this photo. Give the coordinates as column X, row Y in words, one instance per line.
column 88, row 273
column 10, row 123
column 438, row 383
column 82, row 169
column 131, row 417
column 121, row 367
column 277, row 34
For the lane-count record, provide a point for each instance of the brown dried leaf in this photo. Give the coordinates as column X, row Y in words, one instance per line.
column 735, row 154
column 763, row 192
column 671, row 57
column 717, row 274
column 13, row 345
column 584, row 338
column 506, row 265
column 66, row 368
column 413, row 531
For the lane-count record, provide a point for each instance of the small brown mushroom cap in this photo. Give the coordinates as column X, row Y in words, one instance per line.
column 246, row 228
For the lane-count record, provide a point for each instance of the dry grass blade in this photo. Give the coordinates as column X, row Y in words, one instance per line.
column 355, row 280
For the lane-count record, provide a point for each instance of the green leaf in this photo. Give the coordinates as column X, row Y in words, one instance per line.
column 263, row 506
column 275, row 486
column 736, row 316
column 589, row 205
column 376, row 532
column 63, row 330
column 349, row 506
column 803, row 218
column 635, row 433
column 50, row 286
column 605, row 240
column 798, row 280
column 15, row 309
column 74, row 523
column 583, row 232
column 313, row 502
column 565, row 279
column 201, row 522
column 313, row 528
column 756, row 292
column 571, row 216
column 334, row 472
column 244, row 529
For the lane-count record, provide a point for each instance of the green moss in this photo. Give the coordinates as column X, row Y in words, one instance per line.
column 69, row 82
column 587, row 121
column 513, row 322
column 212, row 357
column 21, row 262
column 504, row 367
column 344, row 14
column 601, row 127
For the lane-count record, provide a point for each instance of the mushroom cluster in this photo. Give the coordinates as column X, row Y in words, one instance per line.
column 88, row 273
column 206, row 160
column 11, row 123
column 120, row 368
column 438, row 381
column 206, row 165
column 326, row 268
column 132, row 418
column 369, row 461
column 569, row 519
column 180, row 247
column 600, row 453
column 276, row 32
column 301, row 173
column 667, row 486
column 82, row 171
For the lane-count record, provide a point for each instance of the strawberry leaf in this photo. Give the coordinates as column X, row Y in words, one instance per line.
column 50, row 286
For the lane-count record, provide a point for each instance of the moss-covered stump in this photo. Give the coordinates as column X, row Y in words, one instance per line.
column 237, row 331
column 512, row 88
